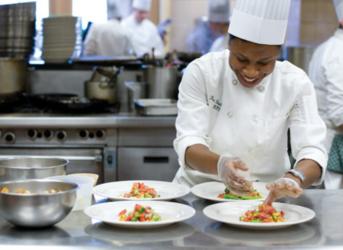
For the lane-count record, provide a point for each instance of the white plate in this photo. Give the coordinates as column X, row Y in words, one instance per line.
column 211, row 190
column 229, row 213
column 116, row 190
column 170, row 212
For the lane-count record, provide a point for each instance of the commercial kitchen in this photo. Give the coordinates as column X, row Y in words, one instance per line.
column 108, row 123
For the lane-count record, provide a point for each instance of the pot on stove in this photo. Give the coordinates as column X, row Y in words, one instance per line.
column 103, row 84
column 13, row 75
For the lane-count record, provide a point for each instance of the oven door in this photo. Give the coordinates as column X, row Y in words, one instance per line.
column 81, row 160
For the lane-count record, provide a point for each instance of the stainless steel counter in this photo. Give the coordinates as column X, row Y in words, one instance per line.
column 91, row 121
column 78, row 232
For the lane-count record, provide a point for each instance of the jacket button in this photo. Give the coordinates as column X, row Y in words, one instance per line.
column 229, row 114
column 260, row 88
column 234, row 82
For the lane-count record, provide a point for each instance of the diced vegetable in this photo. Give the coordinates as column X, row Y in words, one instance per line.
column 264, row 214
column 140, row 214
column 140, row 190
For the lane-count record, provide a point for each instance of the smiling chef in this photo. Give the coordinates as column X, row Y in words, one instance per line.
column 236, row 106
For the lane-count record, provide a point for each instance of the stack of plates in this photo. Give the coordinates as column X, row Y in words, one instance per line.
column 61, row 38
column 17, row 30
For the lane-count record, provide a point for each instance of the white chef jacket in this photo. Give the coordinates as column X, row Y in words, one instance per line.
column 107, row 39
column 220, row 44
column 144, row 36
column 215, row 110
column 326, row 72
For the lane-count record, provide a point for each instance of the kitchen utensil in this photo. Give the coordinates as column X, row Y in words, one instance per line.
column 156, row 106
column 13, row 75
column 161, row 81
column 102, row 85
column 31, row 168
column 39, row 208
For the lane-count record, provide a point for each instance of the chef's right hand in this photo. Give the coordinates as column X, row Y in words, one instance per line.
column 227, row 168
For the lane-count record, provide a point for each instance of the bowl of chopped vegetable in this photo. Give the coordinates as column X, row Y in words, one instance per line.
column 36, row 203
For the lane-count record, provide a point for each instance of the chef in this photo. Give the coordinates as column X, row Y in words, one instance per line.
column 236, row 106
column 219, row 16
column 326, row 72
column 143, row 33
column 109, row 38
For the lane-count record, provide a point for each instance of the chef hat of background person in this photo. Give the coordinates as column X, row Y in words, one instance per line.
column 219, row 11
column 142, row 4
column 260, row 21
column 113, row 10
column 339, row 9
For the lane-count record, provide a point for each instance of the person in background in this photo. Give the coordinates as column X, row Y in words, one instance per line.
column 219, row 18
column 144, row 34
column 110, row 38
column 326, row 72
column 236, row 106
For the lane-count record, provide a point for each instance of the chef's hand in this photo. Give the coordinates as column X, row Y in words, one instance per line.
column 281, row 188
column 228, row 171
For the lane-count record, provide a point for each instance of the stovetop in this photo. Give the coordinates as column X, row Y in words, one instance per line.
column 54, row 104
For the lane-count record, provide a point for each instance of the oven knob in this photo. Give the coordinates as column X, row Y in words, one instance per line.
column 9, row 137
column 61, row 135
column 100, row 133
column 83, row 134
column 48, row 134
column 32, row 133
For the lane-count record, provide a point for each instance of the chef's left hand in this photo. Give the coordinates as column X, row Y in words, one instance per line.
column 283, row 187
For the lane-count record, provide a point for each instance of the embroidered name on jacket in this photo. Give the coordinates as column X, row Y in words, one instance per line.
column 216, row 104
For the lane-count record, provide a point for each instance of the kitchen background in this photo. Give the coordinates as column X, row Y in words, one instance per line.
column 57, row 108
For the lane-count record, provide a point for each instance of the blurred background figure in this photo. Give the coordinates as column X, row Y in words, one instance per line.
column 110, row 38
column 219, row 20
column 210, row 33
column 326, row 72
column 143, row 33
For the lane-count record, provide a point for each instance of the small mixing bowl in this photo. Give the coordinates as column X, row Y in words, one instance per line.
column 40, row 203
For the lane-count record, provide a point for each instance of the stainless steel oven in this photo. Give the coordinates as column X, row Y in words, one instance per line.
column 88, row 150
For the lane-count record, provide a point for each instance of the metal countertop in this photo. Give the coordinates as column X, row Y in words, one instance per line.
column 77, row 231
column 90, row 121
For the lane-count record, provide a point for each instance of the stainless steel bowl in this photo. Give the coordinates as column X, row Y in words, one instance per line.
column 31, row 168
column 38, row 209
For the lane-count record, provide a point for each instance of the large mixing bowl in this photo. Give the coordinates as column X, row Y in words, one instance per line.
column 31, row 168
column 38, row 208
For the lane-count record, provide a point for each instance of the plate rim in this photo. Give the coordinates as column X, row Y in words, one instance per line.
column 218, row 199
column 184, row 190
column 271, row 225
column 129, row 224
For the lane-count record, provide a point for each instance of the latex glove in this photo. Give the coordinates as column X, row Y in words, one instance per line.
column 228, row 168
column 281, row 188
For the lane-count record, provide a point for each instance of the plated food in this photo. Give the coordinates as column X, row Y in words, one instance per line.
column 253, row 195
column 140, row 213
column 141, row 190
column 159, row 213
column 263, row 214
column 231, row 213
column 216, row 191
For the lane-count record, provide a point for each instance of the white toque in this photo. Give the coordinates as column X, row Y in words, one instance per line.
column 339, row 9
column 219, row 11
column 260, row 21
column 142, row 4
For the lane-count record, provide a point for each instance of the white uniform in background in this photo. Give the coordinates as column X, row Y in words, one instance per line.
column 107, row 39
column 326, row 72
column 215, row 110
column 220, row 44
column 144, row 35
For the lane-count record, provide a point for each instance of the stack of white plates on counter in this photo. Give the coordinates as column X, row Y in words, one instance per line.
column 62, row 38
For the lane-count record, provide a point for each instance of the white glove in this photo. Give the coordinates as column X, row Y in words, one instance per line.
column 227, row 168
column 281, row 188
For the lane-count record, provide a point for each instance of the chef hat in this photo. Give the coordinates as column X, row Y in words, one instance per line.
column 142, row 4
column 219, row 11
column 339, row 8
column 260, row 21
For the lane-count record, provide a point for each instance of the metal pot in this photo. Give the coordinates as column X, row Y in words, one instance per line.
column 31, row 168
column 103, row 84
column 161, row 82
column 13, row 75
